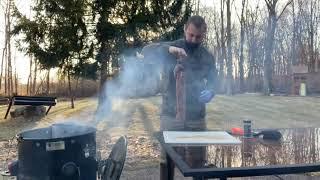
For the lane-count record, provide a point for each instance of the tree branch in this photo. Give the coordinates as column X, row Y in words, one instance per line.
column 288, row 3
column 268, row 4
column 2, row 6
column 237, row 13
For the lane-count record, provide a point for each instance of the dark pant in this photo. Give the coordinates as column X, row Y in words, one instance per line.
column 194, row 156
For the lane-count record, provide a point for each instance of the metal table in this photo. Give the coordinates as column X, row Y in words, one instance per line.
column 297, row 152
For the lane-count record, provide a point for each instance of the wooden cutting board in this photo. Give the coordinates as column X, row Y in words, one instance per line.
column 199, row 137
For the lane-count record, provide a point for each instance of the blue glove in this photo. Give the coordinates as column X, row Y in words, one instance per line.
column 206, row 96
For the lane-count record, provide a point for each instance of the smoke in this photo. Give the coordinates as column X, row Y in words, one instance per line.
column 138, row 77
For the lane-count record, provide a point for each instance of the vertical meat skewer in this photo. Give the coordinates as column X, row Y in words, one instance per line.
column 180, row 91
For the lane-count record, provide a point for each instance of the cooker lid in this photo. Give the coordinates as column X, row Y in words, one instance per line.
column 55, row 131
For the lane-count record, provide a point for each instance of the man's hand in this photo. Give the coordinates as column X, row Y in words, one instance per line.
column 177, row 68
column 206, row 96
column 178, row 52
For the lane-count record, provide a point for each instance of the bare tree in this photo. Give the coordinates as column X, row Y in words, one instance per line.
column 15, row 75
column 3, row 7
column 29, row 83
column 8, row 30
column 69, row 86
column 312, row 24
column 6, row 56
column 218, row 49
column 229, row 58
column 48, row 83
column 2, row 61
column 242, row 34
column 223, row 49
column 254, row 41
column 269, row 42
column 294, row 36
column 198, row 7
column 35, row 70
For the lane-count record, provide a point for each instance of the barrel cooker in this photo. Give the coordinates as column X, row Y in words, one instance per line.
column 65, row 151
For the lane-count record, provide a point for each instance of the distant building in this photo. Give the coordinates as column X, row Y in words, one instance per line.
column 304, row 82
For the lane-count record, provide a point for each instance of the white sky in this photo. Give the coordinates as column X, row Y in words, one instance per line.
column 22, row 62
column 209, row 2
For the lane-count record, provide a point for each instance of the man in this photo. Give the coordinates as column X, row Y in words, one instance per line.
column 200, row 72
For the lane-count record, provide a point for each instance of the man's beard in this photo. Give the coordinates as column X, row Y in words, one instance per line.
column 191, row 45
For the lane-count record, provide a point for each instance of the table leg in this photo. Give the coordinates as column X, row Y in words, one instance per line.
column 48, row 110
column 10, row 104
column 170, row 166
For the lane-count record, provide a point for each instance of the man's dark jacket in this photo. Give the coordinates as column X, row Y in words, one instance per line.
column 200, row 73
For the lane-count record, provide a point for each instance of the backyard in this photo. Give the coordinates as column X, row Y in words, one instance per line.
column 139, row 118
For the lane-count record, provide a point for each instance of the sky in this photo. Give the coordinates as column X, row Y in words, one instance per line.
column 22, row 61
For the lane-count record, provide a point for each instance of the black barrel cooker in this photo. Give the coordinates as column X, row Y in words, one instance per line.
column 65, row 151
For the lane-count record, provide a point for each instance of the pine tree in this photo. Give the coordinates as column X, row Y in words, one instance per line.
column 57, row 36
column 126, row 24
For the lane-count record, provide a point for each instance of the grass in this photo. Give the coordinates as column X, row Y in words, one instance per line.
column 141, row 116
column 265, row 112
column 10, row 127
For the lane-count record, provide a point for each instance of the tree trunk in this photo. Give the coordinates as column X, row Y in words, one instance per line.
column 269, row 42
column 1, row 74
column 16, row 83
column 229, row 58
column 218, row 52
column 103, row 80
column 6, row 20
column 311, row 39
column 29, row 83
column 198, row 7
column 77, row 87
column 6, row 73
column 242, row 33
column 34, row 77
column 268, row 47
column 223, row 50
column 48, row 83
column 267, row 78
column 249, row 28
column 70, row 89
column 82, row 87
column 103, row 59
column 293, row 58
column 10, row 79
column 15, row 77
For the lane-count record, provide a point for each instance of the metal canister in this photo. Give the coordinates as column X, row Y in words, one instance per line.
column 247, row 128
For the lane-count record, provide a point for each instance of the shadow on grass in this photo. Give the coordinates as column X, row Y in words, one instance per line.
column 10, row 127
column 147, row 124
